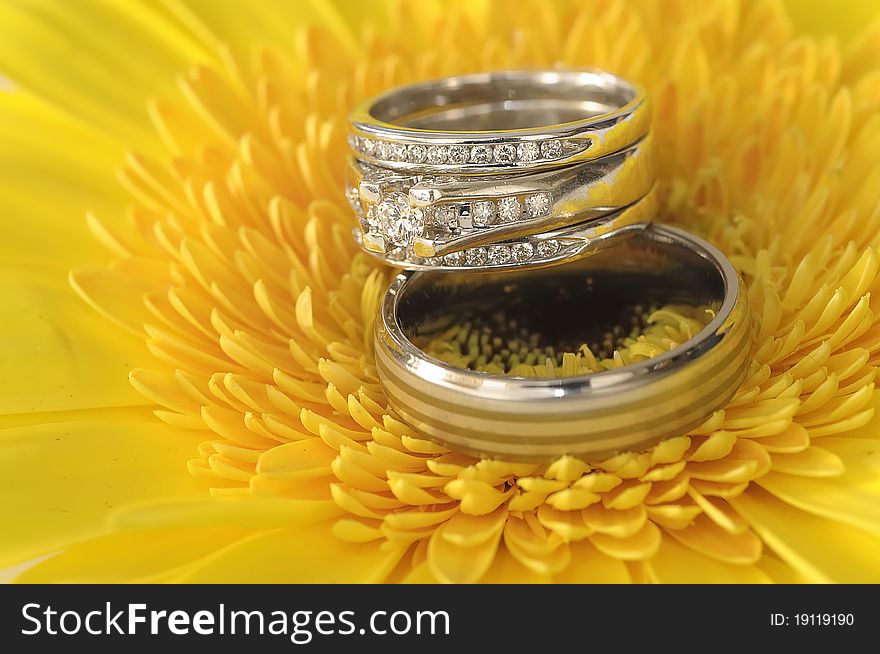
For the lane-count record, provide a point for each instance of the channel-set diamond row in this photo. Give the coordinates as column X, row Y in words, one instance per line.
column 500, row 254
column 485, row 213
column 459, row 155
column 396, row 221
column 534, row 250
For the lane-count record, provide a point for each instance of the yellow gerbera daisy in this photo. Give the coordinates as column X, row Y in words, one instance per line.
column 253, row 442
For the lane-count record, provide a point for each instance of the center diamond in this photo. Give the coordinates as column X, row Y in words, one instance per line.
column 400, row 222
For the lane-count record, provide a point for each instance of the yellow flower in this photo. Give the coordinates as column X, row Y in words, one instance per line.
column 240, row 308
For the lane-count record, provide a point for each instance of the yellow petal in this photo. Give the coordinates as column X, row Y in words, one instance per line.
column 60, row 481
column 542, row 553
column 571, row 499
column 716, row 446
column 589, row 566
column 818, row 17
column 306, row 458
column 812, row 462
column 466, row 531
column 567, row 468
column 676, row 564
column 116, row 295
column 263, row 513
column 274, row 22
column 34, row 38
column 820, row 549
column 673, row 516
column 720, row 512
column 450, row 562
column 355, row 531
column 627, row 495
column 569, row 525
column 638, row 547
column 620, row 523
column 134, row 557
column 476, row 497
column 421, row 574
column 507, row 570
column 792, row 439
column 779, row 571
column 703, row 535
column 58, row 354
column 847, row 498
column 48, row 186
column 417, row 519
column 302, row 554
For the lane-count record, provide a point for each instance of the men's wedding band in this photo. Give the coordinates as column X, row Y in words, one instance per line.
column 592, row 416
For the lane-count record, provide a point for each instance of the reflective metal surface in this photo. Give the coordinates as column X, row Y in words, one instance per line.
column 592, row 416
column 497, row 123
column 449, row 214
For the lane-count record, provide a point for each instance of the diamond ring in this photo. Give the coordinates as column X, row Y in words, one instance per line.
column 499, row 171
column 530, row 250
column 409, row 218
column 497, row 123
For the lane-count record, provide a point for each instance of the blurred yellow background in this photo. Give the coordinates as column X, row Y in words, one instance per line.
column 824, row 16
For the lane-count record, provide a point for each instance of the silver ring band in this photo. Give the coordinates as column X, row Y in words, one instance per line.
column 591, row 416
column 503, row 122
column 410, row 217
column 530, row 251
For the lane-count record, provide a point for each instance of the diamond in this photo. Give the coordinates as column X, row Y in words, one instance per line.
column 396, row 254
column 528, row 151
column 476, row 256
column 446, row 217
column 498, row 254
column 454, row 259
column 548, row 248
column 437, row 154
column 382, row 150
column 396, row 152
column 483, row 213
column 505, row 153
column 551, row 149
column 481, row 154
column 538, row 204
column 509, row 209
column 458, row 154
column 400, row 222
column 368, row 146
column 416, row 153
column 522, row 251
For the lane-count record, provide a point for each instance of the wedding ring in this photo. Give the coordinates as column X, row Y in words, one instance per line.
column 591, row 416
column 409, row 219
column 496, row 123
column 530, row 251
